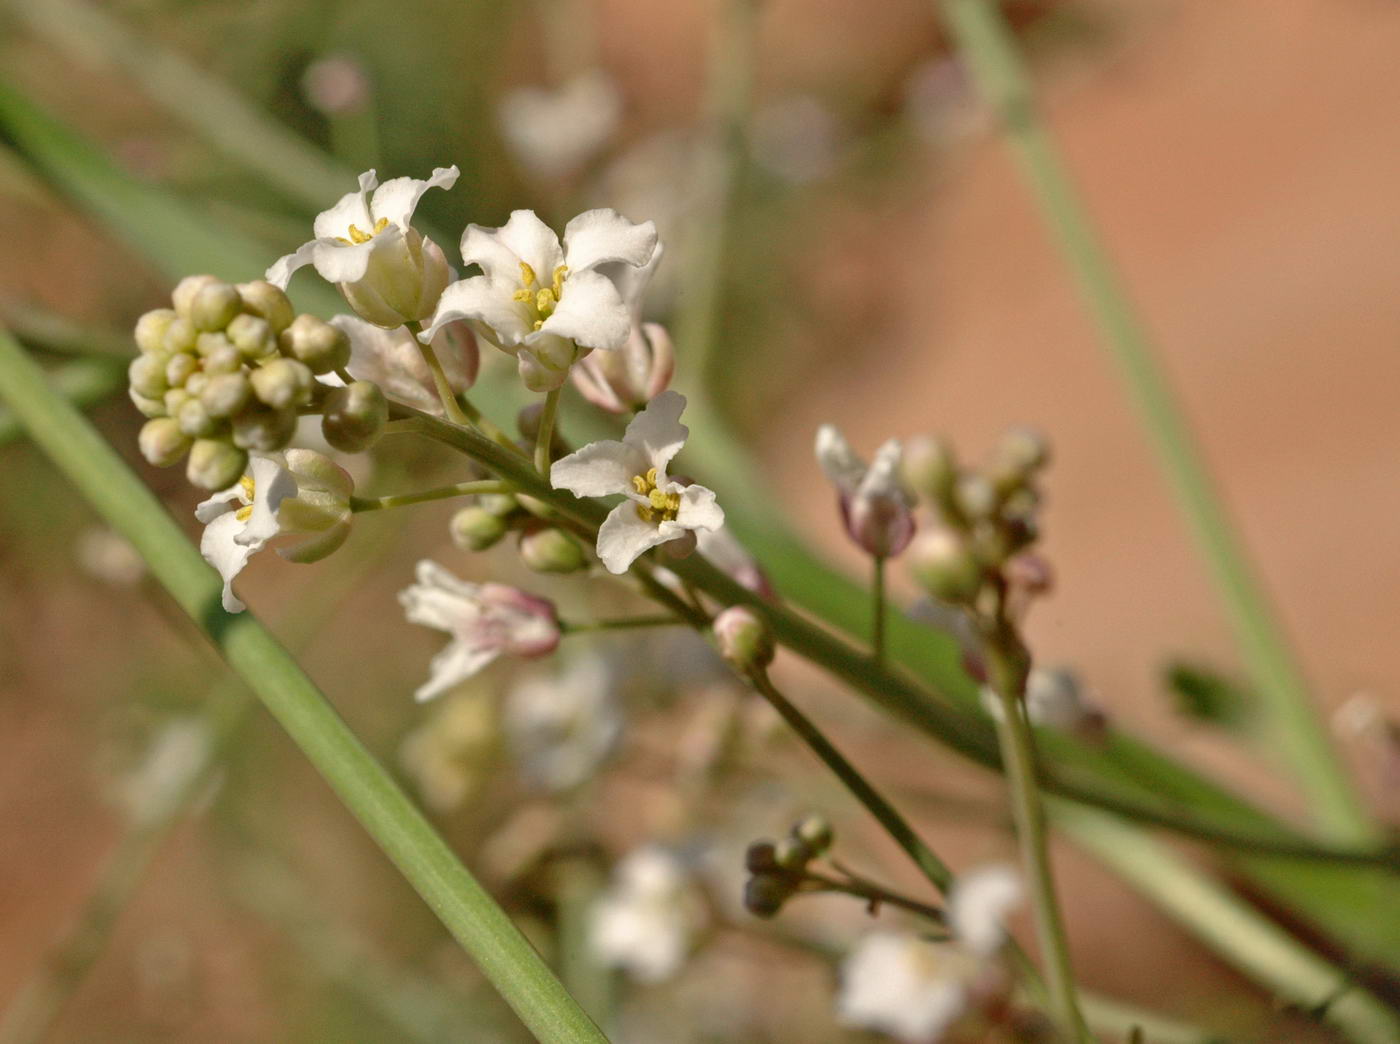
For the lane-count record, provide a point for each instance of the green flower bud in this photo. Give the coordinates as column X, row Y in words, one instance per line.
column 761, row 858
column 180, row 368
column 354, row 416
column 174, row 399
column 148, row 407
column 282, row 383
column 765, row 894
column 940, row 560
column 744, row 639
column 551, row 550
column 815, row 832
column 146, row 375
column 195, row 382
column 195, row 421
column 1022, row 452
column 316, row 343
column 264, row 429
column 267, row 302
column 162, row 442
column 976, row 496
column 502, row 504
column 214, row 464
column 150, row 330
column 252, row 336
column 180, row 335
column 226, row 394
column 792, row 854
column 929, row 468
column 224, row 359
column 209, row 342
column 214, row 305
column 185, row 291
column 476, row 529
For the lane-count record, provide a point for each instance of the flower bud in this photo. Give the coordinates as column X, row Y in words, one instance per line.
column 316, row 343
column 185, row 291
column 267, row 302
column 226, row 394
column 148, row 407
column 180, row 368
column 223, row 359
column 150, row 330
column 792, row 853
column 282, row 383
column 744, row 639
column 627, row 379
column 1019, row 455
column 402, row 283
column 252, row 336
column 180, row 336
column 815, row 832
column 682, row 546
column 945, row 566
column 214, row 305
column 214, row 464
column 354, row 416
column 320, row 511
column 209, row 342
column 162, row 442
column 146, row 374
column 263, row 429
column 502, row 504
column 195, row 420
column 765, row 894
column 976, row 497
column 476, row 529
column 929, row 468
column 550, row 550
column 761, row 858
column 173, row 400
column 195, row 382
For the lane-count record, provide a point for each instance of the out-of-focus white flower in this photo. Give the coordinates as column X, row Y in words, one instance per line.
column 902, row 985
column 730, row 557
column 109, row 557
column 979, row 903
column 657, row 509
column 646, row 921
column 448, row 756
column 796, row 138
column 392, row 360
column 179, row 753
column 1054, row 699
column 545, row 303
column 336, row 85
column 301, row 493
column 563, row 726
column 485, row 621
column 940, row 102
column 553, row 132
column 876, row 508
column 388, row 272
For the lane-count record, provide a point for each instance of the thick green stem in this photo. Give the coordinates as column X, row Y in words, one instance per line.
column 626, row 623
column 460, row 489
column 506, row 958
column 986, row 45
column 544, row 438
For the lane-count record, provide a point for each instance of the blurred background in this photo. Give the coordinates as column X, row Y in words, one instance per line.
column 883, row 269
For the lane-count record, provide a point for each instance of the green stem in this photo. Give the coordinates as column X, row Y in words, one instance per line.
column 626, row 623
column 504, row 955
column 460, row 489
column 1008, row 666
column 544, row 438
column 871, row 892
column 877, row 607
column 446, row 395
column 985, row 42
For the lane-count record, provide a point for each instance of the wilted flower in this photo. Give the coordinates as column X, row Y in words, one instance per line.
column 553, row 132
column 876, row 508
column 389, row 273
column 657, row 508
column 392, row 360
column 302, row 494
column 448, row 756
column 563, row 726
column 542, row 303
column 485, row 621
column 647, row 920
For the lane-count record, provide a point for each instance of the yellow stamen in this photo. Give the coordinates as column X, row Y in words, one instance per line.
column 527, row 275
column 357, row 237
column 248, row 488
column 244, row 513
column 560, row 274
column 660, row 506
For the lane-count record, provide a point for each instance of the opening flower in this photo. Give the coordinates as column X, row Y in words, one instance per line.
column 877, row 510
column 486, row 621
column 302, row 493
column 657, row 508
column 391, row 359
column 388, row 271
column 545, row 303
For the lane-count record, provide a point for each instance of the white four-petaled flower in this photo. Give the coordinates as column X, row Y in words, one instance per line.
column 485, row 621
column 389, row 273
column 544, row 303
column 657, row 508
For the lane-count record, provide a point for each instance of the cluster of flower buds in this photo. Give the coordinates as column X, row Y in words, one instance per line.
column 227, row 370
column 777, row 870
column 986, row 519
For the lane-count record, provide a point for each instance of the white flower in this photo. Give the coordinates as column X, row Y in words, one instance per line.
column 485, row 621
column 902, row 985
column 646, row 921
column 392, row 360
column 563, row 726
column 979, row 903
column 627, row 379
column 307, row 494
column 657, row 509
column 543, row 303
column 552, row 132
column 876, row 508
column 389, row 273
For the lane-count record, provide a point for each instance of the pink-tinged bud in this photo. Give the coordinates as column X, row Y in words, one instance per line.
column 744, row 639
column 626, row 380
column 876, row 508
column 524, row 624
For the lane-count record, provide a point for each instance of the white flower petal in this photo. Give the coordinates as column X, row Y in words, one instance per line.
column 596, row 237
column 453, row 665
column 338, row 262
column 220, row 503
column 698, row 510
column 397, row 198
column 280, row 272
column 632, row 281
column 439, row 599
column 591, row 313
column 838, row 461
column 894, row 983
column 882, row 479
column 979, row 903
column 481, row 299
column 272, row 484
column 624, row 535
column 499, row 251
column 351, row 209
column 600, row 468
column 657, row 431
column 220, row 548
